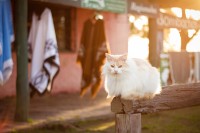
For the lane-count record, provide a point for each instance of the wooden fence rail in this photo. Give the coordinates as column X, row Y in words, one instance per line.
column 172, row 97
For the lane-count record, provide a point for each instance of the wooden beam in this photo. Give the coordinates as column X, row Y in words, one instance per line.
column 171, row 97
column 128, row 123
column 192, row 4
column 22, row 88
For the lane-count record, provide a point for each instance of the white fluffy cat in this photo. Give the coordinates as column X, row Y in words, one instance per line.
column 130, row 78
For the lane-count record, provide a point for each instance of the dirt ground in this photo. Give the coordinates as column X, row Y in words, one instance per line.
column 68, row 113
column 53, row 108
column 175, row 121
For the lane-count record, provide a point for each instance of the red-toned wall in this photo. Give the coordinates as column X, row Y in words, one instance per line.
column 69, row 77
column 116, row 27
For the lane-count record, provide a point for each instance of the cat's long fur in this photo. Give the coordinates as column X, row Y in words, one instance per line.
column 134, row 78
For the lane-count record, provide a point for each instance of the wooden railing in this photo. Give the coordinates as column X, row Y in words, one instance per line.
column 128, row 113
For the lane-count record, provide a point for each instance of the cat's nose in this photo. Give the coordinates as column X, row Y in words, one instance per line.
column 115, row 71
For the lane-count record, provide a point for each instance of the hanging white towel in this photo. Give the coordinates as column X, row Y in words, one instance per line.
column 44, row 52
column 6, row 38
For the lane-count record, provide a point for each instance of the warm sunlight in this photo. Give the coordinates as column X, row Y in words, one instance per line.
column 193, row 45
column 138, row 47
column 131, row 19
column 173, row 42
column 192, row 14
column 138, row 43
column 177, row 11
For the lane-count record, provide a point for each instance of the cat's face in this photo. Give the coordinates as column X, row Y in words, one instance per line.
column 116, row 63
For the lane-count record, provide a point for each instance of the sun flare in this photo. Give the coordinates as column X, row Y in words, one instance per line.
column 138, row 47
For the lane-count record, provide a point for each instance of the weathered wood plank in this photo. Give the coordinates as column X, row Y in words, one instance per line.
column 128, row 123
column 171, row 97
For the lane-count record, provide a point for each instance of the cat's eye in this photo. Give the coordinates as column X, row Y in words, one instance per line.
column 119, row 66
column 112, row 65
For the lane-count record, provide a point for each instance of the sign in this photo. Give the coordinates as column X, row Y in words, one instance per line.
column 149, row 10
column 118, row 6
column 169, row 21
column 75, row 3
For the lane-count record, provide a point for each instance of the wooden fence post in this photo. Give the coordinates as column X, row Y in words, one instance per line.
column 22, row 87
column 128, row 112
column 128, row 123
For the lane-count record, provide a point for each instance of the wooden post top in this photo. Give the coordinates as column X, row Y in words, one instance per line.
column 171, row 97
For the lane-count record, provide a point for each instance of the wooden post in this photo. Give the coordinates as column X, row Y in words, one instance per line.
column 155, row 43
column 128, row 112
column 184, row 34
column 22, row 88
column 128, row 123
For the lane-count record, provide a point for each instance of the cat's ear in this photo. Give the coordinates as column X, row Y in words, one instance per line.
column 124, row 57
column 108, row 57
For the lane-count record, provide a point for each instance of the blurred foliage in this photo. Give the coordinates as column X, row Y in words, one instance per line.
column 142, row 32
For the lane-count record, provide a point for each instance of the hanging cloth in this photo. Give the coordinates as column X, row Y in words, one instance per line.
column 91, row 54
column 43, row 52
column 6, row 38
